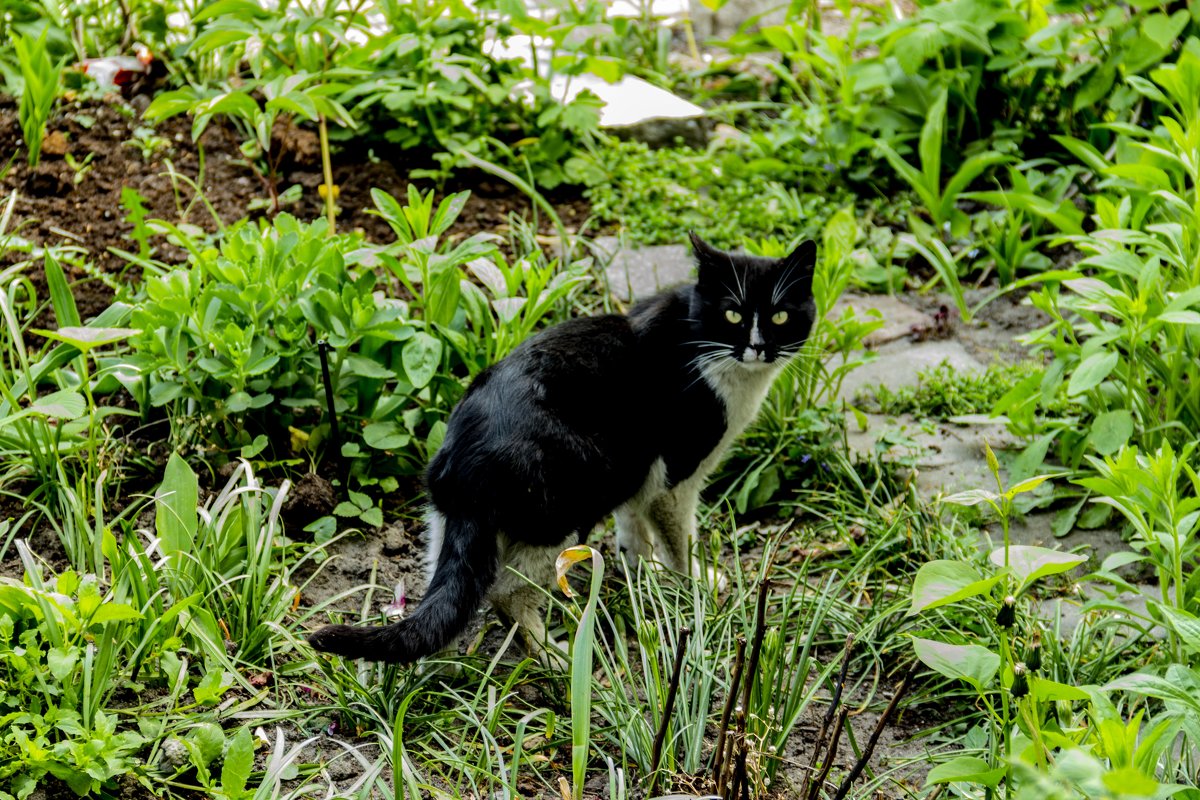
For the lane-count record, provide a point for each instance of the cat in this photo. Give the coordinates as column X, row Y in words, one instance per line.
column 624, row 415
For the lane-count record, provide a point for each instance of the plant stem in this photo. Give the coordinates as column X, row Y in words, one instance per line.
column 327, row 169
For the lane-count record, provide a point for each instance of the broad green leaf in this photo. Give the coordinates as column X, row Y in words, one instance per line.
column 1110, row 431
column 239, row 760
column 930, row 144
column 209, row 740
column 1029, row 563
column 971, row 497
column 1130, row 781
column 175, row 510
column 61, row 661
column 966, row 769
column 64, row 404
column 386, row 436
column 421, row 356
column 1091, row 371
column 110, row 612
column 1185, row 625
column 969, row 662
column 1043, row 689
column 942, row 582
column 85, row 338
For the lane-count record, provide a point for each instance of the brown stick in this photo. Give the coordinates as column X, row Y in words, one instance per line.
column 820, row 742
column 726, row 713
column 760, row 630
column 831, row 755
column 844, row 789
column 668, row 708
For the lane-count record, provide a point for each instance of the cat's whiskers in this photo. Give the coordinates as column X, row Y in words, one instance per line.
column 777, row 292
column 737, row 275
column 781, row 288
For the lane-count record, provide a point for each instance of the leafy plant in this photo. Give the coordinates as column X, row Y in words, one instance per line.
column 1004, row 671
column 939, row 200
column 285, row 97
column 41, row 77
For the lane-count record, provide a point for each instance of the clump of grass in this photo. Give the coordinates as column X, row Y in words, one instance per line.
column 944, row 391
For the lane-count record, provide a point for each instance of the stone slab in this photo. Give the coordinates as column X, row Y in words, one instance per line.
column 898, row 363
column 898, row 316
column 637, row 273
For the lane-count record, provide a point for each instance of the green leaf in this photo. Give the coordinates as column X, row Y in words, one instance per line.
column 1110, row 431
column 1129, row 780
column 61, row 299
column 1043, row 689
column 62, row 661
column 63, row 404
column 969, row 662
column 1185, row 625
column 347, row 509
column 971, row 497
column 214, row 684
column 942, row 582
column 238, row 763
column 1090, row 372
column 386, row 436
column 421, row 357
column 1029, row 563
column 110, row 612
column 1028, row 485
column 209, row 740
column 85, row 338
column 967, row 769
column 175, row 510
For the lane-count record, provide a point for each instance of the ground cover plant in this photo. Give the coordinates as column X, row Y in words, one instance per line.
column 252, row 254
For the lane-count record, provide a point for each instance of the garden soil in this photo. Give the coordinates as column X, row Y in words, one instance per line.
column 61, row 204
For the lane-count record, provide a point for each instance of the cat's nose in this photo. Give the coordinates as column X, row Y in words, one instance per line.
column 753, row 353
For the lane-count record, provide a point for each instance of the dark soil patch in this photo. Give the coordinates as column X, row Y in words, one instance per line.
column 58, row 205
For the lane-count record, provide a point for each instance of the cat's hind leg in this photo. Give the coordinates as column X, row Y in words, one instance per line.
column 517, row 594
column 635, row 534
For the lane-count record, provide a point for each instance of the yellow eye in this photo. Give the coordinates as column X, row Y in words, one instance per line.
column 779, row 317
column 733, row 316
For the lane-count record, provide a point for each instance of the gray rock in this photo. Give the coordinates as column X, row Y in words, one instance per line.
column 637, row 273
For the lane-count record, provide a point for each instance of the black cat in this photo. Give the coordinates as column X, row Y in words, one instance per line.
column 613, row 414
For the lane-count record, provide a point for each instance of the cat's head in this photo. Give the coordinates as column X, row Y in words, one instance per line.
column 756, row 311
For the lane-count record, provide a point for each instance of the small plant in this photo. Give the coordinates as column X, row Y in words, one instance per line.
column 1009, row 673
column 41, row 78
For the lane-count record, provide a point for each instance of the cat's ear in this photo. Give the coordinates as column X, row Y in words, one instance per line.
column 801, row 263
column 708, row 258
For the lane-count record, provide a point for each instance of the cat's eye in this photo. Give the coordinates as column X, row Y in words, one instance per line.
column 733, row 316
column 779, row 317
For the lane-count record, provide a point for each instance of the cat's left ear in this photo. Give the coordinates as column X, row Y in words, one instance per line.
column 802, row 263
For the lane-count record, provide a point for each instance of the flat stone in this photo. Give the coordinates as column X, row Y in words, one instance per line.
column 899, row 362
column 944, row 457
column 898, row 317
column 637, row 273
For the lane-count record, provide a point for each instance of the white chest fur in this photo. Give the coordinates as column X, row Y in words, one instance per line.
column 742, row 389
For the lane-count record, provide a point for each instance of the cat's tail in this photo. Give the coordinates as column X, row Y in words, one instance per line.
column 466, row 568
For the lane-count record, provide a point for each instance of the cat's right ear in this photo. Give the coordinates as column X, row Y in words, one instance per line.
column 803, row 263
column 707, row 257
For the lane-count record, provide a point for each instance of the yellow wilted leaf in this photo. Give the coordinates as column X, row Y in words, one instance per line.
column 567, row 558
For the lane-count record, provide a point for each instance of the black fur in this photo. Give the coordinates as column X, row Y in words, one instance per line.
column 554, row 437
